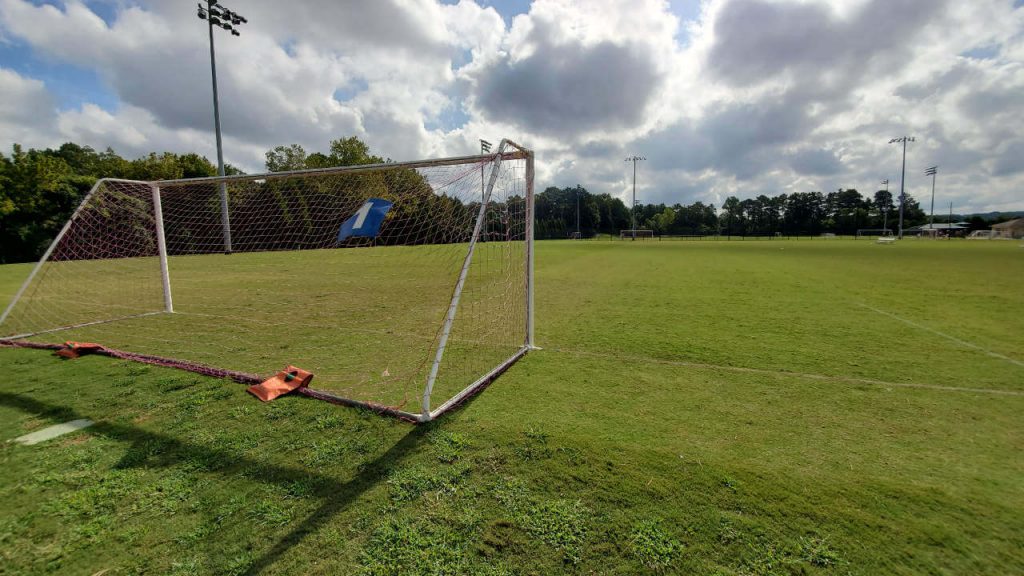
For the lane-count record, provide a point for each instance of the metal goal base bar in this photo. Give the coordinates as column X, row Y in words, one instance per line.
column 248, row 378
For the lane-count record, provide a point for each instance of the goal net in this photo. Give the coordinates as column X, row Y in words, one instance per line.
column 403, row 286
column 636, row 234
column 989, row 235
column 874, row 233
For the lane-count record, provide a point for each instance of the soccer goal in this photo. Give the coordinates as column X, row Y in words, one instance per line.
column 874, row 233
column 636, row 234
column 989, row 235
column 403, row 287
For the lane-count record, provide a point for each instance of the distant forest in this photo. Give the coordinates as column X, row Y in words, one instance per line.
column 39, row 189
column 799, row 214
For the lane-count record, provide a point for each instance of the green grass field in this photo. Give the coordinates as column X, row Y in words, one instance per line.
column 773, row 407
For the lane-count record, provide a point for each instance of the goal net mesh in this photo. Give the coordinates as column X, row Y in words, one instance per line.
column 873, row 232
column 364, row 313
column 636, row 234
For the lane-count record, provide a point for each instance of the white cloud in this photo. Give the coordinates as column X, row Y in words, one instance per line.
column 752, row 97
column 26, row 109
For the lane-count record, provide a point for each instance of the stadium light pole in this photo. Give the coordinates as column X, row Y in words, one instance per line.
column 885, row 212
column 578, row 235
column 217, row 15
column 632, row 211
column 903, row 176
column 931, row 218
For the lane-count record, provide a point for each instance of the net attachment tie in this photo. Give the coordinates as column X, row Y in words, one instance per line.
column 285, row 381
column 74, row 349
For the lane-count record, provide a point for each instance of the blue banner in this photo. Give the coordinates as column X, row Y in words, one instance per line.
column 365, row 223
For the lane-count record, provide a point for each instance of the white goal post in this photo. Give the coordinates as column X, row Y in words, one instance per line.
column 874, row 233
column 636, row 234
column 989, row 235
column 403, row 287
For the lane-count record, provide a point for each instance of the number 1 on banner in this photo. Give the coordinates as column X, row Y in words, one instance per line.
column 362, row 214
column 366, row 221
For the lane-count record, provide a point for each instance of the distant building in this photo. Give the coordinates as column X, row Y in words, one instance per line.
column 1010, row 229
column 937, row 229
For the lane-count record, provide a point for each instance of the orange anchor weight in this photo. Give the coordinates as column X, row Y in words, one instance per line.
column 285, row 381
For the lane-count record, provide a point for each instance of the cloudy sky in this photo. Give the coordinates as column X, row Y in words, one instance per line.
column 723, row 97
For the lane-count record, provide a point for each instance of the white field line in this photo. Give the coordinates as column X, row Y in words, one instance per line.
column 51, row 432
column 963, row 343
column 820, row 377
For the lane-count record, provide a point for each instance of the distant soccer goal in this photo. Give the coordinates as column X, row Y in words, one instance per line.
column 874, row 233
column 403, row 287
column 636, row 234
column 989, row 235
column 574, row 236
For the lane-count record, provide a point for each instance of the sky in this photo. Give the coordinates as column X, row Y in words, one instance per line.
column 722, row 97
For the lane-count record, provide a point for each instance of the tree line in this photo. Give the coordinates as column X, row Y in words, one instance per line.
column 801, row 213
column 39, row 189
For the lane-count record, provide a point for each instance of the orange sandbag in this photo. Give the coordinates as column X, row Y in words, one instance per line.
column 285, row 381
column 75, row 349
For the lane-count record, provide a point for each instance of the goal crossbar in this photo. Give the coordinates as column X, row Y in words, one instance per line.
column 519, row 153
column 873, row 232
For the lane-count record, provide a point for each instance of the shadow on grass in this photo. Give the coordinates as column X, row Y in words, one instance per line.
column 336, row 496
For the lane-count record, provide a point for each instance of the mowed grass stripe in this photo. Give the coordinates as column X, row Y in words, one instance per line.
column 852, row 380
column 946, row 336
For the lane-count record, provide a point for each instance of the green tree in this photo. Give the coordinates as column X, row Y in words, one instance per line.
column 883, row 208
column 614, row 215
column 804, row 213
column 849, row 211
column 663, row 222
column 38, row 192
column 286, row 158
column 195, row 166
column 913, row 215
column 318, row 160
column 733, row 218
column 351, row 152
column 156, row 167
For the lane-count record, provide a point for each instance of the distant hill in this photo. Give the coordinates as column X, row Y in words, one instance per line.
column 994, row 215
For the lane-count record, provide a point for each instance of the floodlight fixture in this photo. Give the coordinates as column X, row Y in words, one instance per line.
column 903, row 175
